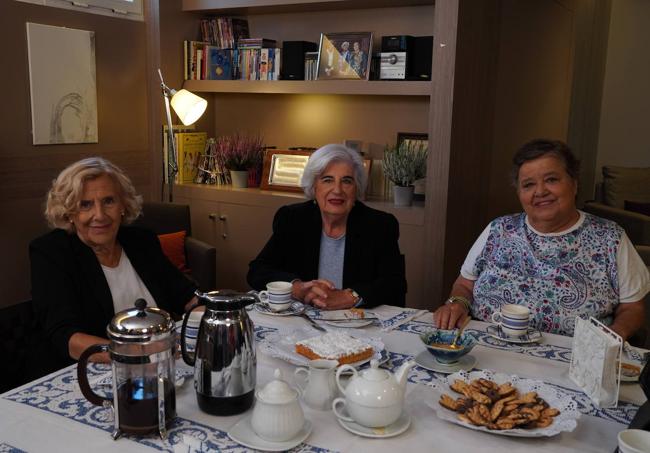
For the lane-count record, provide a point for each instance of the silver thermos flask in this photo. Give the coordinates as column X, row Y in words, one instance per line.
column 224, row 358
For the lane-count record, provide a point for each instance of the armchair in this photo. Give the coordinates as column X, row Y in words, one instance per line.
column 167, row 218
column 621, row 185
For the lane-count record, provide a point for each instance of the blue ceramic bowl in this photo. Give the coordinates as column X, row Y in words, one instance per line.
column 444, row 355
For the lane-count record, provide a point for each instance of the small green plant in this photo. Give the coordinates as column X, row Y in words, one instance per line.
column 405, row 163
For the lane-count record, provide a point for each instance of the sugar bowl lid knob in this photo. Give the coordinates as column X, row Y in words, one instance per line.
column 277, row 391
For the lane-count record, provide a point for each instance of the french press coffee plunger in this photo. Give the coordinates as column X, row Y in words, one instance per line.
column 141, row 348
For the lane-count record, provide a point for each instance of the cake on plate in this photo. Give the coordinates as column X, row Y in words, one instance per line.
column 335, row 346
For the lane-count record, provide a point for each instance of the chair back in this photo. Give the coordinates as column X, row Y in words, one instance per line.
column 165, row 218
column 17, row 324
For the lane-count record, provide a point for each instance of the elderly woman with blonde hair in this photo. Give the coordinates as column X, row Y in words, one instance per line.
column 337, row 252
column 92, row 265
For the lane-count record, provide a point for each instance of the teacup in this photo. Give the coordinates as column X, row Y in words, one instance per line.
column 513, row 319
column 277, row 295
column 634, row 441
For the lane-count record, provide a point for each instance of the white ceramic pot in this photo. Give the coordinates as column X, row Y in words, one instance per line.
column 277, row 416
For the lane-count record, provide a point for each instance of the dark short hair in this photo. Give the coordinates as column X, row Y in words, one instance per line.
column 537, row 148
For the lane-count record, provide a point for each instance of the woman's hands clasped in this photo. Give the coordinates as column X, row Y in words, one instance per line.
column 322, row 294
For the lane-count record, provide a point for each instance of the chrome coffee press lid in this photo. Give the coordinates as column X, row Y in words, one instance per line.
column 141, row 324
column 226, row 300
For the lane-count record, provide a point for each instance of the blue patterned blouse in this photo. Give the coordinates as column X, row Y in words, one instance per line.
column 556, row 277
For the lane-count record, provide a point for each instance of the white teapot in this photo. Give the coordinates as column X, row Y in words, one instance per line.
column 277, row 416
column 373, row 397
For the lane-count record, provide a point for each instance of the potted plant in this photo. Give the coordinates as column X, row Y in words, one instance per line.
column 404, row 164
column 239, row 154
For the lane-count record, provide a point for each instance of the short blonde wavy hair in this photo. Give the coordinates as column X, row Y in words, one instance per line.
column 65, row 194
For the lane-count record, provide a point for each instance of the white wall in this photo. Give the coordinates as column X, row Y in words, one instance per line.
column 624, row 135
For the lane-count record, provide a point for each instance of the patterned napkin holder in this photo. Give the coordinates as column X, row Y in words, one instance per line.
column 595, row 359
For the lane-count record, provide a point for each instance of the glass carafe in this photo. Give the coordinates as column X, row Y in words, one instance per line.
column 141, row 349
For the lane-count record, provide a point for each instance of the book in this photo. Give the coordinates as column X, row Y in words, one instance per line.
column 219, row 63
column 190, row 147
column 256, row 43
column 223, row 32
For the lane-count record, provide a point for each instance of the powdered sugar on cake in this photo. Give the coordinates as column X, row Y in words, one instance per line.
column 334, row 345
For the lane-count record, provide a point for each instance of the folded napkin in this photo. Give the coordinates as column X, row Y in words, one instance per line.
column 393, row 321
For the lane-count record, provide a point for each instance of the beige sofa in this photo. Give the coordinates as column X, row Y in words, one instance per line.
column 621, row 184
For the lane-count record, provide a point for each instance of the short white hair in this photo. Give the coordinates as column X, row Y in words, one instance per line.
column 324, row 156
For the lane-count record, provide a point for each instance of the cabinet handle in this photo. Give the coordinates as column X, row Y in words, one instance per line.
column 223, row 218
column 212, row 216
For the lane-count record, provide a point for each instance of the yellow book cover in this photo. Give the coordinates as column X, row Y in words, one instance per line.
column 191, row 146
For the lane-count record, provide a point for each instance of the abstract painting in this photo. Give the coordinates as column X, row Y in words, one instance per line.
column 62, row 84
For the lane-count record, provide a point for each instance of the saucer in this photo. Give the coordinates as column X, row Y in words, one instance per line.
column 294, row 309
column 428, row 362
column 242, row 432
column 533, row 335
column 395, row 429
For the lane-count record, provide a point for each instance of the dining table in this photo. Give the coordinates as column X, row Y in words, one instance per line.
column 50, row 414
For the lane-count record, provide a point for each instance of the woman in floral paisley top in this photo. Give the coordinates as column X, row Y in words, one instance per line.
column 556, row 260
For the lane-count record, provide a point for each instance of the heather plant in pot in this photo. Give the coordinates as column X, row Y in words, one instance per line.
column 240, row 154
column 403, row 164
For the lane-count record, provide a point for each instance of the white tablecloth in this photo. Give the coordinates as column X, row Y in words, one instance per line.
column 50, row 414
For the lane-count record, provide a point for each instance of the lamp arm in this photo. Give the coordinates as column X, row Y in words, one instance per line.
column 172, row 166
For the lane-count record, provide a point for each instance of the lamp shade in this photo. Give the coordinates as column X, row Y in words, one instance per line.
column 188, row 106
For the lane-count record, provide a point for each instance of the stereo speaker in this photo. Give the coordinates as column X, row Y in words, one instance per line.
column 293, row 59
column 420, row 58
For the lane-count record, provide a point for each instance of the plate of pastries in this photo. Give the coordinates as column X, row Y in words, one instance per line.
column 504, row 404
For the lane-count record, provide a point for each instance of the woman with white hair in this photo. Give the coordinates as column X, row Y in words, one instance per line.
column 337, row 252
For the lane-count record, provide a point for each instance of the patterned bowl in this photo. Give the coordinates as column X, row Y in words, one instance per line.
column 444, row 337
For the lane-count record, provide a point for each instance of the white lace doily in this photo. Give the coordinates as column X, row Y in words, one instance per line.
column 282, row 345
column 555, row 397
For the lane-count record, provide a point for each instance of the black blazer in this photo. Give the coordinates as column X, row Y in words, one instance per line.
column 373, row 265
column 70, row 293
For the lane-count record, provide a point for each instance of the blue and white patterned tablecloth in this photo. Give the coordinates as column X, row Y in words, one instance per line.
column 59, row 394
column 6, row 448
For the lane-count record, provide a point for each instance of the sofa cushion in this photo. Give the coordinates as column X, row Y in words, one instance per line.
column 623, row 183
column 635, row 206
column 173, row 246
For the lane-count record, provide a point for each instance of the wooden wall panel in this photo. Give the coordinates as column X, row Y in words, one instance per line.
column 26, row 171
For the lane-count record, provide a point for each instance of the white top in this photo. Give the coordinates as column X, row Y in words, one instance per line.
column 126, row 285
column 633, row 276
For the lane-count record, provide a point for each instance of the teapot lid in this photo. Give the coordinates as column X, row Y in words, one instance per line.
column 373, row 373
column 277, row 391
column 140, row 324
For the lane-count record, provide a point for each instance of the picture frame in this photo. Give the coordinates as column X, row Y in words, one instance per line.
column 282, row 169
column 416, row 137
column 344, row 56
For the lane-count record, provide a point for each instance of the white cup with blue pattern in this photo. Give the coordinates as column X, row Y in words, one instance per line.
column 277, row 295
column 513, row 319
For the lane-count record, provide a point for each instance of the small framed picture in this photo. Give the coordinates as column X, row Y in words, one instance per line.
column 344, row 56
column 413, row 139
column 283, row 169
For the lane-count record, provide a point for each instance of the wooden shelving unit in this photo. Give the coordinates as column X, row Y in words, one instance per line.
column 341, row 87
column 277, row 6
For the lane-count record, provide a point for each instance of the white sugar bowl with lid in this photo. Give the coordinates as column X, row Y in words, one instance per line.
column 277, row 416
column 373, row 397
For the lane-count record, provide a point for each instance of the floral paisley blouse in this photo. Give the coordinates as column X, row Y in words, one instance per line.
column 557, row 276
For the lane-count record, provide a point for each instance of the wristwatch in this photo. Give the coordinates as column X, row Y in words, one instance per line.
column 357, row 297
column 461, row 300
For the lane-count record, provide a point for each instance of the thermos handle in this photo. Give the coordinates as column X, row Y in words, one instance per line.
column 189, row 358
column 82, row 374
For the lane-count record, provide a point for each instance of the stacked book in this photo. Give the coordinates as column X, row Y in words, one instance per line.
column 311, row 65
column 207, row 62
column 257, row 59
column 224, row 32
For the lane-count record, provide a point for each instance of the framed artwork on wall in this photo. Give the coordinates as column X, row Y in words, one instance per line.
column 413, row 139
column 344, row 56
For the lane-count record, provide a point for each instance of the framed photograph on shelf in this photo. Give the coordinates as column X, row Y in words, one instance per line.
column 344, row 56
column 413, row 139
column 283, row 169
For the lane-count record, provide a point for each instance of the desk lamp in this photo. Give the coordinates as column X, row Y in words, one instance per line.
column 188, row 107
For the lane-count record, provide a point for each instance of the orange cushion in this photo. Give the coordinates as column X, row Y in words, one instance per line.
column 173, row 246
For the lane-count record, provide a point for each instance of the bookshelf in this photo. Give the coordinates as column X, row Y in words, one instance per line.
column 341, row 87
column 454, row 108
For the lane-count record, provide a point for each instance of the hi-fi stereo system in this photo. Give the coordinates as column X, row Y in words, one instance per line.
column 406, row 57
